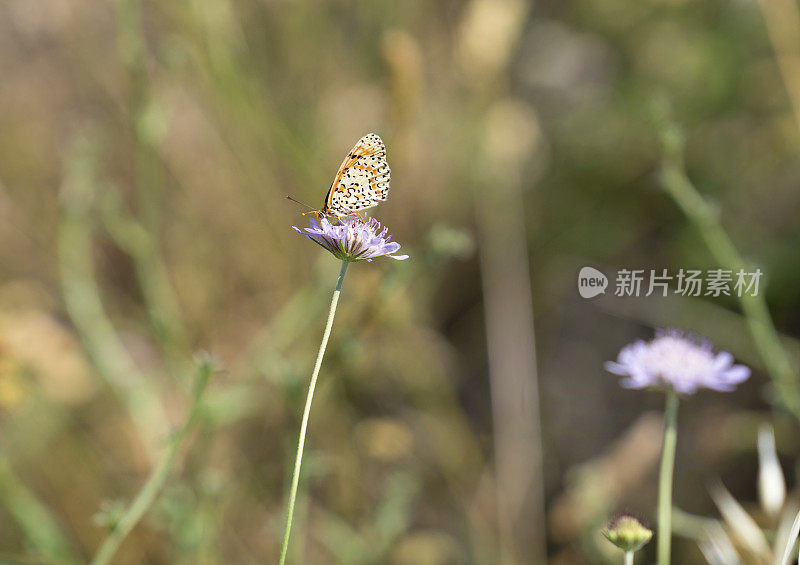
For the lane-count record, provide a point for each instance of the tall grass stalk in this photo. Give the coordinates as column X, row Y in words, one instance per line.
column 307, row 410
column 149, row 492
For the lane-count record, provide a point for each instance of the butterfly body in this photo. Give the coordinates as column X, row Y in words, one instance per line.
column 362, row 180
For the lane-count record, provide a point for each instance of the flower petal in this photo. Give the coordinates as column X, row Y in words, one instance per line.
column 679, row 361
column 351, row 238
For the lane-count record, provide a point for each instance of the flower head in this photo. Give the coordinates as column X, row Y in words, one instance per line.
column 675, row 360
column 352, row 239
column 627, row 532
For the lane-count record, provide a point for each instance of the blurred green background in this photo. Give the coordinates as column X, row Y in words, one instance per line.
column 145, row 149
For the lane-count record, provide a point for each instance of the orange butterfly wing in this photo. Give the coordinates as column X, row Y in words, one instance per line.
column 362, row 180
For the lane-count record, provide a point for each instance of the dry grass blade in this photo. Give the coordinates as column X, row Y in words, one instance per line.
column 790, row 540
column 771, row 482
column 717, row 547
column 742, row 525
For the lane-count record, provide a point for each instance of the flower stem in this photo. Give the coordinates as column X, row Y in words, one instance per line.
column 304, row 425
column 628, row 558
column 665, row 477
column 706, row 219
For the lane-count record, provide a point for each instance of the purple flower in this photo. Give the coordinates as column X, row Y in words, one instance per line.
column 673, row 359
column 352, row 239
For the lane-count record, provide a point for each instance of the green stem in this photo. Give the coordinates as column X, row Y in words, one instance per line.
column 706, row 220
column 304, row 425
column 628, row 558
column 665, row 477
column 34, row 518
column 149, row 492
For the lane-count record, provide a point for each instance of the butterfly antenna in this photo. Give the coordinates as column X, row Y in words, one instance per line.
column 314, row 210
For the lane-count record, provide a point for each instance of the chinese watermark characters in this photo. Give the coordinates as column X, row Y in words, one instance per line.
column 660, row 282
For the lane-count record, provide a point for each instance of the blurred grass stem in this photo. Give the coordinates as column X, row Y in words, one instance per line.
column 665, row 478
column 82, row 298
column 34, row 518
column 706, row 219
column 144, row 122
column 511, row 136
column 782, row 18
column 628, row 558
column 149, row 492
column 307, row 410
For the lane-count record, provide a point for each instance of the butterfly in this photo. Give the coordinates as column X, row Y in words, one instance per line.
column 362, row 180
